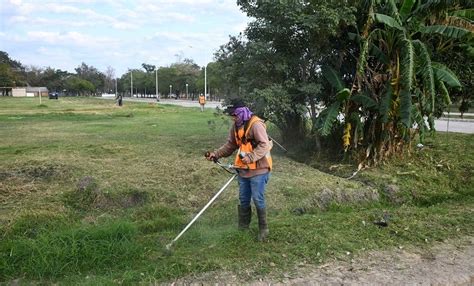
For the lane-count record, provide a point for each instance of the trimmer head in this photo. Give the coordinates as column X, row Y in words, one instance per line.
column 168, row 251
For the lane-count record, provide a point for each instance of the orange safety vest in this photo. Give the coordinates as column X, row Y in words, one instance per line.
column 202, row 99
column 245, row 146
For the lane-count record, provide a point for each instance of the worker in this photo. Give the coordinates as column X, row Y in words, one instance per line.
column 248, row 135
column 202, row 101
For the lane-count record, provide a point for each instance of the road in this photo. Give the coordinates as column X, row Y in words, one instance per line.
column 455, row 125
column 180, row 102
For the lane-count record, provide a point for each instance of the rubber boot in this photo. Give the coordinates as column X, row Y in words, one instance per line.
column 245, row 215
column 262, row 224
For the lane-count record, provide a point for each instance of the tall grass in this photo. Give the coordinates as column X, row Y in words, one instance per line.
column 56, row 253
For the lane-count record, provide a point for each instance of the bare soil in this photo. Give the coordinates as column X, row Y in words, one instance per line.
column 448, row 263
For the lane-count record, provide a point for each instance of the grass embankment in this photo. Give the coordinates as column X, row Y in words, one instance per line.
column 91, row 193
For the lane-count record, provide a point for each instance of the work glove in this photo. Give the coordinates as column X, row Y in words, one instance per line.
column 246, row 160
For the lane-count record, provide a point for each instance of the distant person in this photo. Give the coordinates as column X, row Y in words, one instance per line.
column 119, row 100
column 249, row 136
column 202, row 101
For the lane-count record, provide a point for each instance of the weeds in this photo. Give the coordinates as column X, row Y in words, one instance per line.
column 75, row 250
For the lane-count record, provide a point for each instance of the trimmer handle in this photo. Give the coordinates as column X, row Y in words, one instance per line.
column 208, row 154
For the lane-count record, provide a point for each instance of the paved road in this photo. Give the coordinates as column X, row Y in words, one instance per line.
column 461, row 126
column 181, row 102
column 455, row 125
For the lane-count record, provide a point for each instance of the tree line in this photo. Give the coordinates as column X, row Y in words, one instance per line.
column 89, row 81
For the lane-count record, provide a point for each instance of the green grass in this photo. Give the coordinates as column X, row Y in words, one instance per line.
column 91, row 193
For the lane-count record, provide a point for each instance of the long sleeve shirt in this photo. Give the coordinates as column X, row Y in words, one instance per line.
column 257, row 134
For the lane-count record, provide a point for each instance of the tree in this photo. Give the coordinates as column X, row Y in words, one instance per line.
column 11, row 71
column 80, row 86
column 5, row 59
column 7, row 77
column 53, row 79
column 187, row 72
column 109, row 84
column 92, row 75
column 285, row 46
column 140, row 84
column 148, row 68
column 215, row 79
column 396, row 84
column 456, row 53
column 166, row 76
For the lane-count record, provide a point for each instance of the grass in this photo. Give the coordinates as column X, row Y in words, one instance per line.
column 91, row 193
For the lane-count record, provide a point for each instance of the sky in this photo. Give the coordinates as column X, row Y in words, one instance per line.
column 121, row 34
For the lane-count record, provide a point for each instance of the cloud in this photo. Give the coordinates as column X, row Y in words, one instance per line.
column 120, row 33
column 68, row 39
column 69, row 15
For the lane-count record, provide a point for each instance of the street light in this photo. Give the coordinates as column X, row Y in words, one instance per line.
column 205, row 81
column 186, row 91
column 156, row 72
column 170, row 90
column 131, row 83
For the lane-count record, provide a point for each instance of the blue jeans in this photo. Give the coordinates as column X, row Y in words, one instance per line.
column 253, row 188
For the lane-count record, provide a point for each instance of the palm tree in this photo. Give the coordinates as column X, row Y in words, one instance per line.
column 396, row 85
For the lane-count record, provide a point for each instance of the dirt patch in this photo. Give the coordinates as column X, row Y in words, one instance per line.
column 88, row 195
column 449, row 263
column 20, row 181
column 324, row 199
column 393, row 194
column 34, row 171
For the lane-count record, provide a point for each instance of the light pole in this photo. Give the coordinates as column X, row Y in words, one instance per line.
column 156, row 73
column 170, row 90
column 131, row 84
column 205, row 81
column 186, row 91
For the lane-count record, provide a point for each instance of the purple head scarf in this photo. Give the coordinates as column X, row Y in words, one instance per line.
column 243, row 114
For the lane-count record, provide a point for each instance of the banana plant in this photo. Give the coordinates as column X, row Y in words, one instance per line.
column 396, row 84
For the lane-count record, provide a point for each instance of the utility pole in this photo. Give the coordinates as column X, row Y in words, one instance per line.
column 186, row 91
column 205, row 81
column 131, row 84
column 156, row 73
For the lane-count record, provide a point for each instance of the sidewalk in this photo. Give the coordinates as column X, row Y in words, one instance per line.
column 455, row 117
column 458, row 113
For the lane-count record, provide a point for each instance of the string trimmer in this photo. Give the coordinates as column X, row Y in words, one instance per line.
column 229, row 168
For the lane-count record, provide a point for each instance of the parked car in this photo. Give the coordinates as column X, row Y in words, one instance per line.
column 53, row 95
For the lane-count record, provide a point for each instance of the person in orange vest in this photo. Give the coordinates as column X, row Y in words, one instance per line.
column 249, row 136
column 202, row 101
